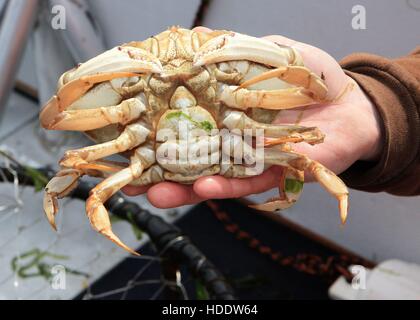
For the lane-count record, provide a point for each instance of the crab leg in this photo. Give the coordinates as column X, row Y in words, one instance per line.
column 331, row 183
column 66, row 180
column 152, row 175
column 279, row 99
column 296, row 75
column 89, row 119
column 95, row 209
column 297, row 163
column 285, row 133
column 334, row 185
column 132, row 136
column 290, row 189
column 102, row 166
column 291, row 180
column 79, row 162
column 58, row 187
column 236, row 46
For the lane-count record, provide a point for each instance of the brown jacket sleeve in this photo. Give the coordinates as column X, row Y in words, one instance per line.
column 394, row 87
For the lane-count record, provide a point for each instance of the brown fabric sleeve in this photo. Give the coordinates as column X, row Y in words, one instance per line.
column 393, row 86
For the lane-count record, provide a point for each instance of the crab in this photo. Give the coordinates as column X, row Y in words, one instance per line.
column 180, row 80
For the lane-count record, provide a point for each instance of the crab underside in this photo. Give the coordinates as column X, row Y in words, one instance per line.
column 144, row 99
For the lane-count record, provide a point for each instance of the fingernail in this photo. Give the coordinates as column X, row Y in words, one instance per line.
column 209, row 187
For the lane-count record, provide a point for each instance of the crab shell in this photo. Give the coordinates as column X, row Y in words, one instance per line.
column 181, row 80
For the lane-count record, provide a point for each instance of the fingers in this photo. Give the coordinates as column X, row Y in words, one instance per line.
column 165, row 194
column 135, row 191
column 170, row 194
column 218, row 187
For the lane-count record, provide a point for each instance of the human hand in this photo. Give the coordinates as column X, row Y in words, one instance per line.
column 350, row 122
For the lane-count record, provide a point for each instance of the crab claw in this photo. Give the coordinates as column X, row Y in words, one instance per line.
column 236, row 46
column 117, row 59
column 334, row 185
column 58, row 187
column 295, row 75
column 119, row 62
column 99, row 219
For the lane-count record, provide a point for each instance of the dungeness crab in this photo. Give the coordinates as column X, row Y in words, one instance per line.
column 127, row 100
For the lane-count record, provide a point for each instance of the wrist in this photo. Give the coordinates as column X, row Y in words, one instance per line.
column 375, row 139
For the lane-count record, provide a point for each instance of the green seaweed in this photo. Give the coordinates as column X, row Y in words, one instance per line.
column 38, row 178
column 205, row 125
column 35, row 267
column 293, row 185
column 200, row 291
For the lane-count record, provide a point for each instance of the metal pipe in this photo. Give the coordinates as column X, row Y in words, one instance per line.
column 17, row 22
